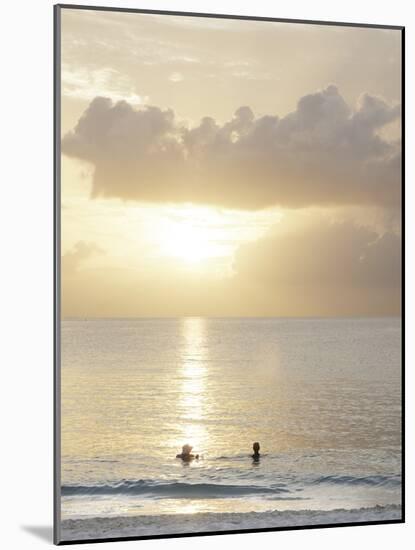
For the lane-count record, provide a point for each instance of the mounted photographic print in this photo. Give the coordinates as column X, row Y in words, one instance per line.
column 228, row 275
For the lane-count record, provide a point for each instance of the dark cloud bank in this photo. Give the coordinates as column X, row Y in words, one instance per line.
column 333, row 254
column 323, row 153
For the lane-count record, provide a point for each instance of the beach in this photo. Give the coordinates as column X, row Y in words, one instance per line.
column 141, row 526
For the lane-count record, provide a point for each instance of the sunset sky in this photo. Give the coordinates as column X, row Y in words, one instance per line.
column 229, row 168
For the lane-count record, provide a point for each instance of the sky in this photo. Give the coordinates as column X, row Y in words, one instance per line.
column 229, row 168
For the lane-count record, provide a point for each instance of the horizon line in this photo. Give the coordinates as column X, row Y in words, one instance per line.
column 108, row 317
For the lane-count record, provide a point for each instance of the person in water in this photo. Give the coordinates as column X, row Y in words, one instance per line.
column 186, row 454
column 256, row 448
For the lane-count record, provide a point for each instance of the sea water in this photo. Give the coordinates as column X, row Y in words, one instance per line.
column 322, row 396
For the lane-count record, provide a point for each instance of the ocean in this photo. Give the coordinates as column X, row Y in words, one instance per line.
column 322, row 396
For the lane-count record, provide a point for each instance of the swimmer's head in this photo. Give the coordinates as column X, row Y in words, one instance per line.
column 187, row 449
column 256, row 447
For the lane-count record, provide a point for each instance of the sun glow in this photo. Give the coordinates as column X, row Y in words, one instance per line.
column 203, row 238
column 191, row 244
column 195, row 237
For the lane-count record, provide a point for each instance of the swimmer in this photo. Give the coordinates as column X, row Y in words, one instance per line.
column 186, row 454
column 256, row 448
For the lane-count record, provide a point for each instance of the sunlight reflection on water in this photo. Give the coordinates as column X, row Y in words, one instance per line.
column 192, row 402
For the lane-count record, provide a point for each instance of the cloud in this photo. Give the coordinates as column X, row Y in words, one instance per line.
column 325, row 268
column 323, row 153
column 84, row 84
column 176, row 77
column 73, row 259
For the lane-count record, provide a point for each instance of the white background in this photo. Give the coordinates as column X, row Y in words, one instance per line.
column 26, row 270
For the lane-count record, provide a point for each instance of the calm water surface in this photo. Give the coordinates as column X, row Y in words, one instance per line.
column 321, row 395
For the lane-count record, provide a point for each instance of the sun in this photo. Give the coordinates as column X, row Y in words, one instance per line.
column 190, row 243
column 204, row 238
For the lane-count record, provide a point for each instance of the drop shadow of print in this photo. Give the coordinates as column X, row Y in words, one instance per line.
column 43, row 532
